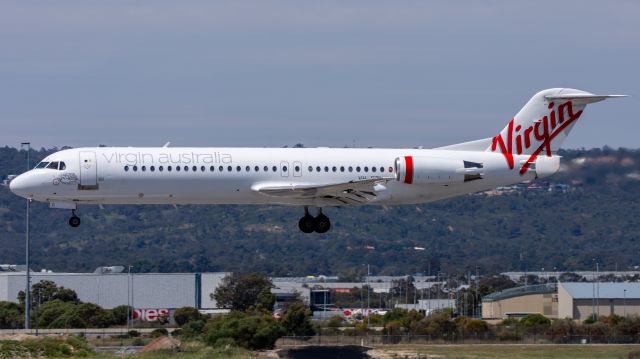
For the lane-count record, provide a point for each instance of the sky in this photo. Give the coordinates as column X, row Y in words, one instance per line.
column 321, row 73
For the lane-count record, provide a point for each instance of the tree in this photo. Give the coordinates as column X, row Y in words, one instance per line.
column 297, row 320
column 120, row 313
column 11, row 316
column 248, row 330
column 244, row 291
column 185, row 315
column 46, row 291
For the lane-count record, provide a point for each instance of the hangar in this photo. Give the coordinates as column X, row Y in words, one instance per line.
column 581, row 300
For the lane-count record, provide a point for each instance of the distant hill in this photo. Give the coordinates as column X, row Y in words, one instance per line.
column 588, row 210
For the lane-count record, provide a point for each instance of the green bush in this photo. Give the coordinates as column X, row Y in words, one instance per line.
column 297, row 321
column 185, row 315
column 160, row 332
column 248, row 330
column 11, row 316
column 119, row 314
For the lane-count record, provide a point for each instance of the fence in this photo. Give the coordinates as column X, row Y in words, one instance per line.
column 376, row 340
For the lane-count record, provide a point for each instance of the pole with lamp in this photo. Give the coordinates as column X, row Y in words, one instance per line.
column 27, row 292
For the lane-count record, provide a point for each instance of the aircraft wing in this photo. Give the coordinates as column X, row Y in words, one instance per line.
column 352, row 192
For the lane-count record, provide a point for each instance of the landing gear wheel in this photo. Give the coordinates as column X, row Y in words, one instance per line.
column 307, row 224
column 322, row 223
column 74, row 221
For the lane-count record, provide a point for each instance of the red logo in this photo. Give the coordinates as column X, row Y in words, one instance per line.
column 544, row 131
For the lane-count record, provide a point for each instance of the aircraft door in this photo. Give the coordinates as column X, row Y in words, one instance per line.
column 297, row 169
column 88, row 171
column 284, row 169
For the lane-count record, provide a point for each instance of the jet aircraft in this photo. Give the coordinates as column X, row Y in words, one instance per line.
column 525, row 149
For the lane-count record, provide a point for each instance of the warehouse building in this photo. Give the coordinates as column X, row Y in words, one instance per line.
column 521, row 301
column 581, row 300
column 574, row 300
column 139, row 290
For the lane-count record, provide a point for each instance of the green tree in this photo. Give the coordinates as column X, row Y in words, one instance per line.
column 297, row 320
column 243, row 291
column 185, row 315
column 46, row 291
column 120, row 313
column 249, row 330
column 11, row 316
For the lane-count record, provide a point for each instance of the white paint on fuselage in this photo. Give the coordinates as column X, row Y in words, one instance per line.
column 119, row 186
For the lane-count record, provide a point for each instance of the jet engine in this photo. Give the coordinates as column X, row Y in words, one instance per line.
column 435, row 170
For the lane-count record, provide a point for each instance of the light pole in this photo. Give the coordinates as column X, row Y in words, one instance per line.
column 128, row 299
column 27, row 292
column 624, row 304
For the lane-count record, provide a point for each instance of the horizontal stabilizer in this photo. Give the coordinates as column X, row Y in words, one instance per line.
column 581, row 98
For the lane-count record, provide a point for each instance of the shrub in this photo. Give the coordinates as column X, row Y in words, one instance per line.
column 160, row 332
column 185, row 315
column 248, row 330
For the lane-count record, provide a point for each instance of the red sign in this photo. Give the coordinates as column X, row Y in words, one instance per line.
column 150, row 315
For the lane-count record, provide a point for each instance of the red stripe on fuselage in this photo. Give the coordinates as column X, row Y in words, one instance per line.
column 408, row 178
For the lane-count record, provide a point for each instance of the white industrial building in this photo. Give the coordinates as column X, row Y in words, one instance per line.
column 140, row 290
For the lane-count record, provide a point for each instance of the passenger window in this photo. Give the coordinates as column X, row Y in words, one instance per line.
column 248, row 168
column 53, row 165
column 229, row 168
column 326, row 168
column 152, row 168
column 341, row 168
column 186, row 168
column 297, row 168
column 284, row 168
column 390, row 169
column 358, row 169
column 212, row 168
column 135, row 168
column 169, row 168
column 177, row 168
column 366, row 169
column 238, row 168
column 317, row 168
column 220, row 168
column 126, row 168
column 257, row 168
column 274, row 168
column 266, row 168
column 62, row 166
column 144, row 168
column 334, row 168
column 350, row 169
column 202, row 168
column 373, row 169
column 160, row 168
column 381, row 169
column 310, row 168
column 194, row 168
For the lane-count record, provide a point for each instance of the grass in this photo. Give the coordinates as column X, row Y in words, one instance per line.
column 513, row 351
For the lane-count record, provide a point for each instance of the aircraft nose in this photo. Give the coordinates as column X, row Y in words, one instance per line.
column 20, row 186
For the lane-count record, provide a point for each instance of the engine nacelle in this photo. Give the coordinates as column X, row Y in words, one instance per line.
column 435, row 170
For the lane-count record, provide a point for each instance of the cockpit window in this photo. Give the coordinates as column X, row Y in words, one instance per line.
column 42, row 164
column 62, row 166
column 53, row 165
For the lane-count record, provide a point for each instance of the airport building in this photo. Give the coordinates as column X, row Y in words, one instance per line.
column 581, row 300
column 520, row 301
column 139, row 290
column 574, row 300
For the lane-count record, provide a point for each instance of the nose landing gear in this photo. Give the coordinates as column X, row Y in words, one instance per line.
column 318, row 224
column 74, row 221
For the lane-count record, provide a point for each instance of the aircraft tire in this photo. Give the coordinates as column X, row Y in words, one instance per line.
column 74, row 221
column 307, row 224
column 322, row 223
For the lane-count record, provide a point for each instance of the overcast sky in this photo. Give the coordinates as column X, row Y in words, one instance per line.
column 273, row 73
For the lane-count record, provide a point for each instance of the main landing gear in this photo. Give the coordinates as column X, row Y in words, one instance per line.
column 74, row 221
column 318, row 224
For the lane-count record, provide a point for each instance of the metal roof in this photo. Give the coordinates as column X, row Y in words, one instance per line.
column 520, row 291
column 587, row 290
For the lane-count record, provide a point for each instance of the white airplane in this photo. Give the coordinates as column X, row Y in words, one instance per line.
column 309, row 177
